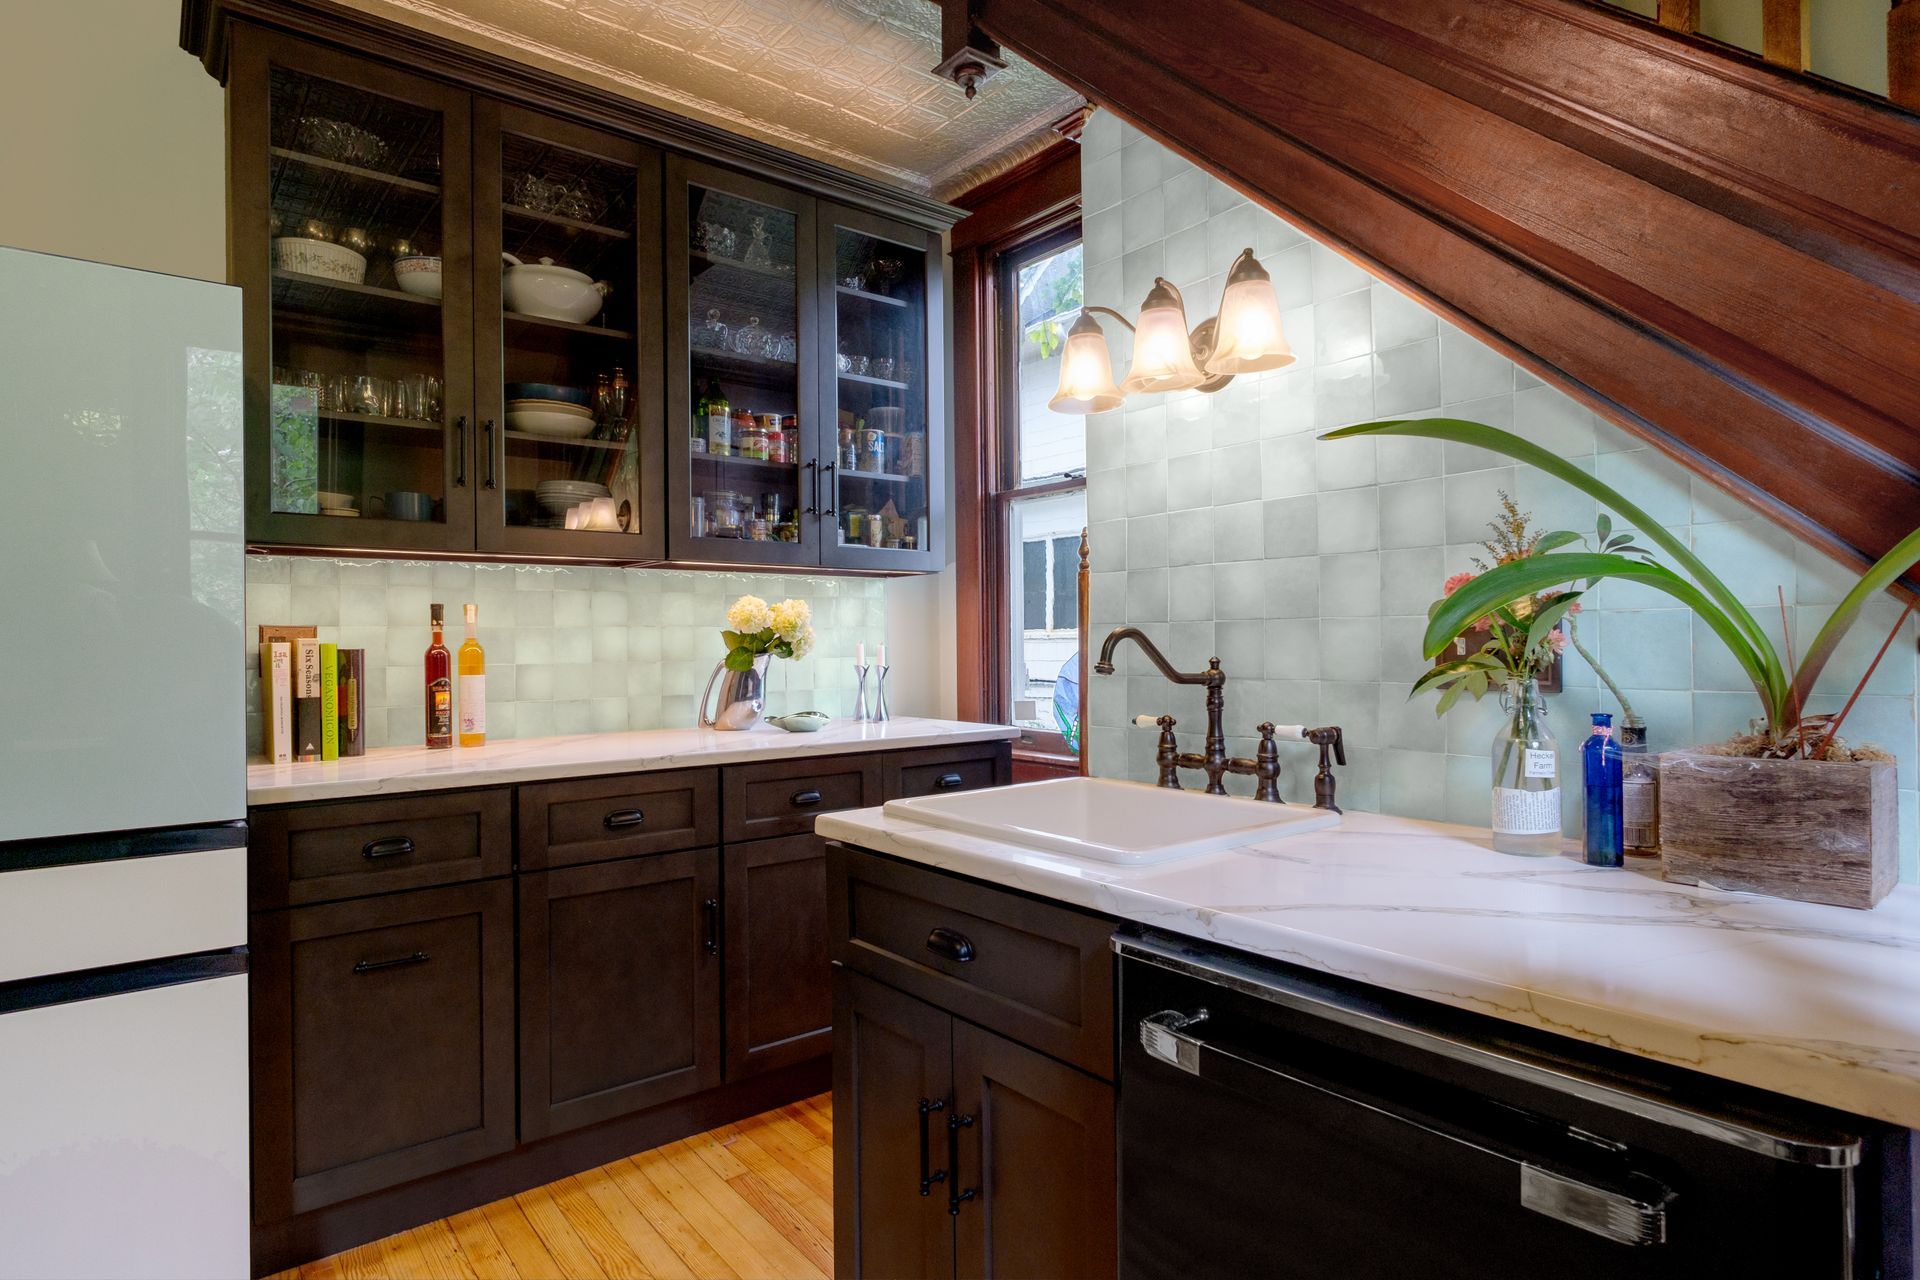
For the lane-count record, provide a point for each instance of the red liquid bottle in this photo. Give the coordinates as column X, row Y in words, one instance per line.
column 439, row 677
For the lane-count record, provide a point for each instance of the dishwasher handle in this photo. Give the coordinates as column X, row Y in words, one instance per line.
column 1615, row 1215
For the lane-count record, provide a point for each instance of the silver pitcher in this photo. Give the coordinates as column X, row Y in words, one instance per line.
column 743, row 695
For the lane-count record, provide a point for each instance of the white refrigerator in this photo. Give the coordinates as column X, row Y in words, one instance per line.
column 123, row 990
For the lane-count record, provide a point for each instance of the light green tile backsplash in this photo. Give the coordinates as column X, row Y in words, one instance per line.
column 569, row 650
column 1221, row 526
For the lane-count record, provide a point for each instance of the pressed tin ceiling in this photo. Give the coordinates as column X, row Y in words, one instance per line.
column 845, row 81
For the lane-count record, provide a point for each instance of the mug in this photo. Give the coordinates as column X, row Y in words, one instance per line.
column 408, row 504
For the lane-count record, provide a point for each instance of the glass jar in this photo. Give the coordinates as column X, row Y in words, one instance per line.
column 750, row 441
column 729, row 513
column 1526, row 776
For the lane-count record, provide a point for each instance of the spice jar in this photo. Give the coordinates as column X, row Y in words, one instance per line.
column 750, row 441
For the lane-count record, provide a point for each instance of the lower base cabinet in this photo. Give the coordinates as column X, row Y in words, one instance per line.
column 959, row 1153
column 382, row 1042
column 779, row 978
column 619, row 988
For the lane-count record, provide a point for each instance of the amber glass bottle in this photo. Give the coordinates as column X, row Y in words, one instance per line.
column 473, row 684
column 439, row 678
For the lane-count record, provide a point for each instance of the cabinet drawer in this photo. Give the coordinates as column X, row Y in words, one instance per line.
column 564, row 824
column 325, row 852
column 967, row 767
column 783, row 797
column 1034, row 972
column 382, row 1042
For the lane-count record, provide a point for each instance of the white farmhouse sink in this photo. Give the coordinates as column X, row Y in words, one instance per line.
column 1102, row 820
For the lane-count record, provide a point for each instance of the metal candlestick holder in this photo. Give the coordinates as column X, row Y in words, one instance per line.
column 880, row 694
column 860, row 704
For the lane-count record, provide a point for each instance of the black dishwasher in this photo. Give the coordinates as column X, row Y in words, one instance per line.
column 1278, row 1123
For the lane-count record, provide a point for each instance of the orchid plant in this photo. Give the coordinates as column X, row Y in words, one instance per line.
column 1783, row 691
column 754, row 627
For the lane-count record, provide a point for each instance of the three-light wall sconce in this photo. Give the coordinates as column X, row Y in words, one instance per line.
column 1244, row 337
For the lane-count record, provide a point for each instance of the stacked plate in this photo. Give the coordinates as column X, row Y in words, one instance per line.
column 336, row 504
column 561, row 496
column 550, row 418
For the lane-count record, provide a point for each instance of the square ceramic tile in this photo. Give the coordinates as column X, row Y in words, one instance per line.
column 1287, row 466
column 1189, row 481
column 1238, row 532
column 1406, row 378
column 1236, row 474
column 1413, row 514
column 1398, row 319
column 1469, row 369
column 1350, row 649
column 1350, row 585
column 1292, row 526
column 1343, row 393
column 1190, row 594
column 1343, row 327
column 1142, row 220
column 1334, row 274
column 1349, row 519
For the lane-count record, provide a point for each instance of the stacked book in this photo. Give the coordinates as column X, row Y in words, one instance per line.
column 313, row 697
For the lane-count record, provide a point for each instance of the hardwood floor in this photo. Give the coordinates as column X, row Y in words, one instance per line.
column 752, row 1200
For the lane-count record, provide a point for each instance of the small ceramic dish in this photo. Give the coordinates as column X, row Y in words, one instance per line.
column 801, row 721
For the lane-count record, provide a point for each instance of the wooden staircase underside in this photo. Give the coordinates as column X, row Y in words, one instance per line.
column 1716, row 254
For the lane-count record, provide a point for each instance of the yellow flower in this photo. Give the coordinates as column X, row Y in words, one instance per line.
column 790, row 617
column 802, row 643
column 749, row 615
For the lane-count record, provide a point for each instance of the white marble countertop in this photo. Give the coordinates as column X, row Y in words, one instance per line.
column 1820, row 1003
column 396, row 770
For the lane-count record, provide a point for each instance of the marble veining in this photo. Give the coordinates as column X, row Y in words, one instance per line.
column 396, row 770
column 1820, row 1003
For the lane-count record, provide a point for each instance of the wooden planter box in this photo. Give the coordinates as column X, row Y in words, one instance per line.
column 1808, row 830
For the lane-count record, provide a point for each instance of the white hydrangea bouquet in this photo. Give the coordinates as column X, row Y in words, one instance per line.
column 754, row 627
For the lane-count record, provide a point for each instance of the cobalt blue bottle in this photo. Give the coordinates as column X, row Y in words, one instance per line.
column 1601, row 761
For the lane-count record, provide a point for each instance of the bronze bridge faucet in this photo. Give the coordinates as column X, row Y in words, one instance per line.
column 1215, row 763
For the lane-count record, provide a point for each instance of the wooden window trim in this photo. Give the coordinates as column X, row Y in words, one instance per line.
column 1034, row 202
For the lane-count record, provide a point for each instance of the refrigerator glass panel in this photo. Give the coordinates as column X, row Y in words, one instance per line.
column 121, row 585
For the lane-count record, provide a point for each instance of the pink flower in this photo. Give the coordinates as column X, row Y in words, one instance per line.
column 1574, row 607
column 1558, row 640
column 1456, row 582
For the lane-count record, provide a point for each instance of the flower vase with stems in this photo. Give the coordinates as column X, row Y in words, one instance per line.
column 1526, row 774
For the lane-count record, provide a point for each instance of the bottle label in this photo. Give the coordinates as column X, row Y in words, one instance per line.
column 1539, row 763
column 719, row 433
column 439, row 710
column 1526, row 813
column 473, row 704
column 1637, row 811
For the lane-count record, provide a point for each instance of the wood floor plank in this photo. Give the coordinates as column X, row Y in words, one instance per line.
column 364, row 1262
column 563, row 1241
column 481, row 1248
column 439, row 1253
column 788, row 1185
column 403, row 1260
column 521, row 1242
column 609, row 1245
column 645, row 1239
column 681, row 1236
column 767, row 1239
column 779, row 1141
column 806, row 1236
column 700, row 1213
column 810, row 1120
column 322, row 1269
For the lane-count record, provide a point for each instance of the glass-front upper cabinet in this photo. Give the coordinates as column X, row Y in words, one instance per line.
column 351, row 207
column 883, row 460
column 744, row 477
column 567, row 320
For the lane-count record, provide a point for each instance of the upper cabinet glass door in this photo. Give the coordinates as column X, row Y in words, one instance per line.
column 744, row 481
column 568, row 341
column 358, row 178
column 885, row 468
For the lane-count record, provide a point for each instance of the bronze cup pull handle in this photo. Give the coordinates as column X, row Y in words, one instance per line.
column 804, row 799
column 948, row 781
column 391, row 847
column 949, row 944
column 623, row 818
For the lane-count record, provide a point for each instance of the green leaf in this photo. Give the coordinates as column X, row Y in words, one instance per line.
column 1447, row 699
column 1545, row 620
column 1480, row 435
column 732, row 639
column 1554, row 541
column 1885, row 571
column 1524, row 577
column 1605, row 526
column 740, row 659
column 1453, row 670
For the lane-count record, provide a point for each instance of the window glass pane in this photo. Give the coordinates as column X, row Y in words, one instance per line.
column 1044, row 641
column 1048, row 294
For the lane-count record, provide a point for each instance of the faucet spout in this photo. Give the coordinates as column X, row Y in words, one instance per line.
column 1215, row 760
column 1212, row 677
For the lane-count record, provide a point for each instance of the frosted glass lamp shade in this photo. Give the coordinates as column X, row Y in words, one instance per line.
column 1162, row 351
column 1248, row 336
column 1086, row 371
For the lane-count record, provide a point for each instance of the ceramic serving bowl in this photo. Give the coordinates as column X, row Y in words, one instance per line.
column 418, row 275
column 549, row 418
column 549, row 391
column 553, row 292
column 335, row 500
column 318, row 258
column 801, row 721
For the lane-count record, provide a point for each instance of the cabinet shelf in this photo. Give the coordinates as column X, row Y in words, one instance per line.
column 869, row 380
column 565, row 442
column 567, row 326
column 732, row 462
column 731, row 366
column 846, row 291
column 735, row 264
column 355, row 171
column 298, row 294
column 885, row 476
column 571, row 224
column 375, row 420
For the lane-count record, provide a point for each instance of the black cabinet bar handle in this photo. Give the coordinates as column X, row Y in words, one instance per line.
column 826, row 473
column 955, row 1196
column 948, row 781
column 813, row 477
column 928, row 1177
column 391, row 847
column 801, row 799
column 371, row 966
column 487, row 427
column 460, row 452
column 712, row 908
column 624, row 818
column 949, row 944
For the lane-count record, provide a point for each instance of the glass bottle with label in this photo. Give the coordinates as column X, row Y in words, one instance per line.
column 1526, row 776
column 473, row 685
column 719, row 433
column 1639, row 791
column 438, row 670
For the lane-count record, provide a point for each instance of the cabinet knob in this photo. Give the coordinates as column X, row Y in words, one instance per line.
column 804, row 799
column 391, row 847
column 948, row 781
column 623, row 818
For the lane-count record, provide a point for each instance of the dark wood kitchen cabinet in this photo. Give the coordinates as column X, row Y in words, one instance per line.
column 779, row 981
column 382, row 1042
column 959, row 1150
column 378, row 389
column 619, row 988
